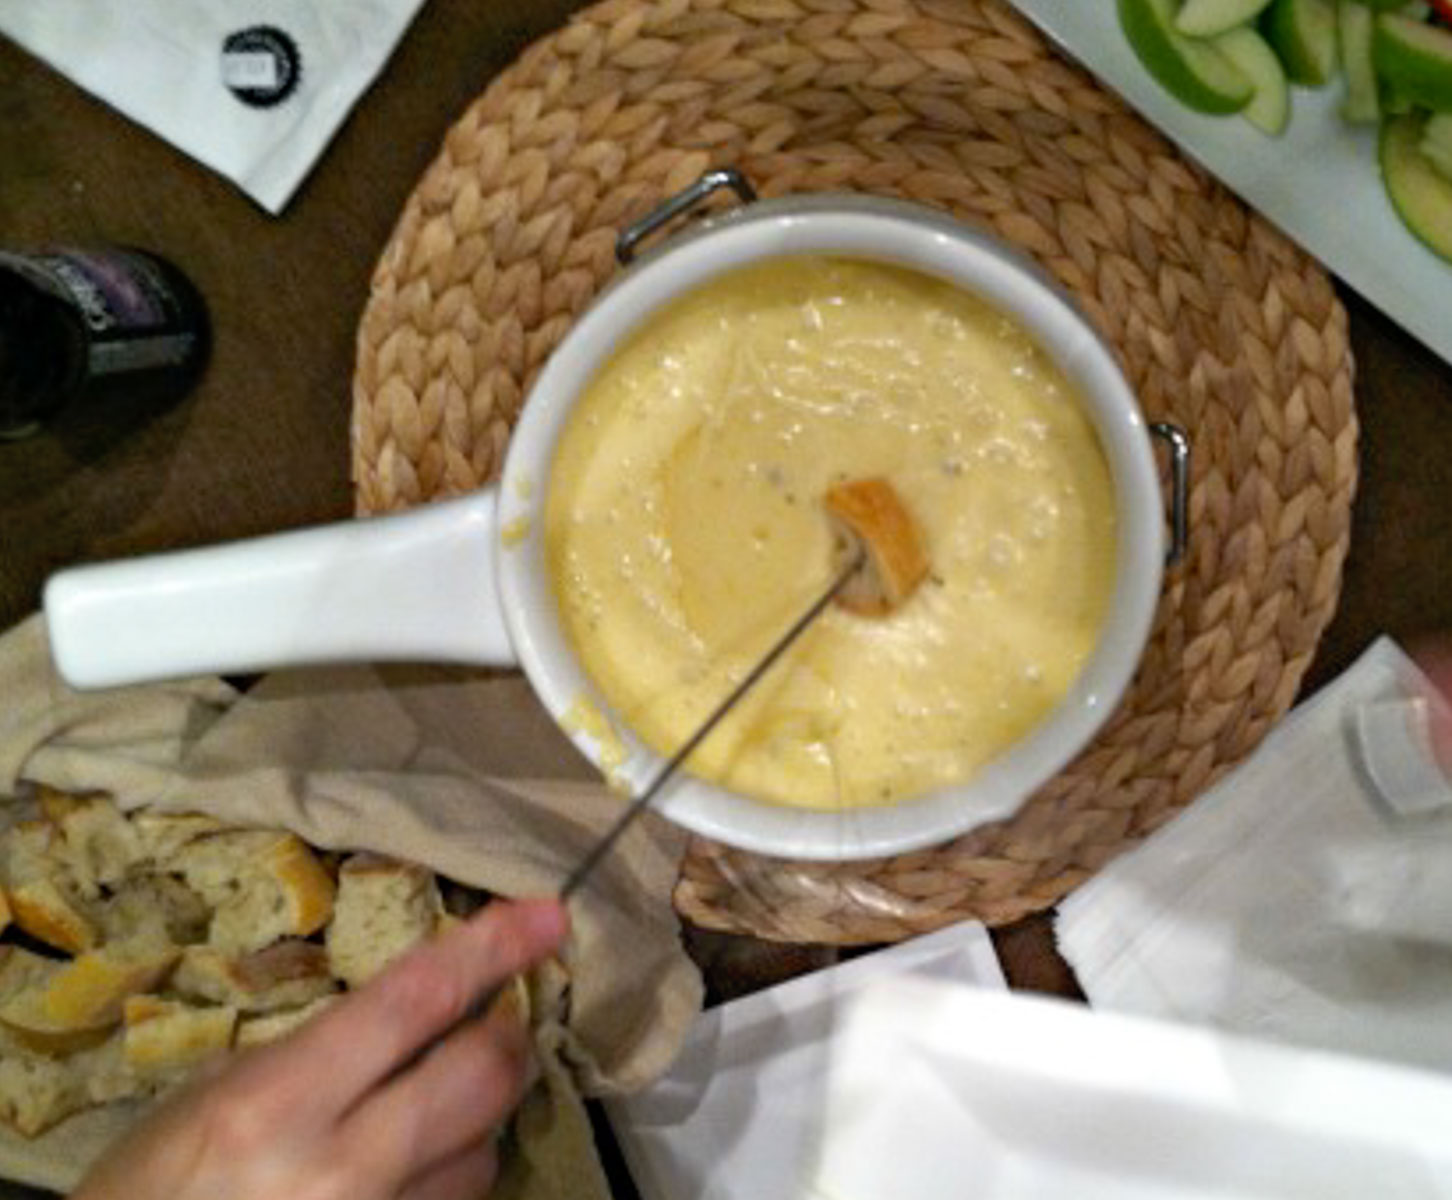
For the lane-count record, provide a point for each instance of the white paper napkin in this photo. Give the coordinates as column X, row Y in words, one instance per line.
column 939, row 1092
column 742, row 1113
column 255, row 89
column 1307, row 898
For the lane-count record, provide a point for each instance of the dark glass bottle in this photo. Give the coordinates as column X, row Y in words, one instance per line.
column 79, row 327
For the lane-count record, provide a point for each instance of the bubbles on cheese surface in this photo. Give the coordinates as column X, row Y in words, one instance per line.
column 685, row 529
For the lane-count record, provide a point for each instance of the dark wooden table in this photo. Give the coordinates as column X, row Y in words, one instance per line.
column 262, row 444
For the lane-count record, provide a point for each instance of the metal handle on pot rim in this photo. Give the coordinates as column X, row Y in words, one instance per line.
column 1178, row 442
column 682, row 202
column 1176, row 439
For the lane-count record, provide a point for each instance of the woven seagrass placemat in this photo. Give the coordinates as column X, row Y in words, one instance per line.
column 1221, row 324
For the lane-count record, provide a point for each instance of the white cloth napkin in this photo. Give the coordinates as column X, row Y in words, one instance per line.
column 300, row 65
column 1307, row 898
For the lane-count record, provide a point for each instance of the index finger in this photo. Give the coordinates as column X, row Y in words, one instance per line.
column 359, row 1042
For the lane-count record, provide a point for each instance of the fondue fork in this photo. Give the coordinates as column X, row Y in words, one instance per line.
column 577, row 877
column 884, row 546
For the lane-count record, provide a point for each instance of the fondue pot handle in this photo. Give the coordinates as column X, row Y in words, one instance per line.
column 1179, row 443
column 414, row 586
column 683, row 201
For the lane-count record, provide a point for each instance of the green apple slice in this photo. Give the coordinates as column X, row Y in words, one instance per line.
column 1303, row 35
column 1206, row 18
column 1421, row 195
column 1354, row 23
column 1269, row 109
column 1436, row 143
column 1194, row 72
column 1414, row 59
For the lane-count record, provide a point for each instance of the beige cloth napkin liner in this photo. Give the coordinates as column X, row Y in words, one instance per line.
column 465, row 774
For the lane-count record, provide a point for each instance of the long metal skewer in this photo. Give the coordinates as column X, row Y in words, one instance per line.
column 576, row 879
column 578, row 876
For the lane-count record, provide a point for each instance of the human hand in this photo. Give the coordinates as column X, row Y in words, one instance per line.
column 339, row 1110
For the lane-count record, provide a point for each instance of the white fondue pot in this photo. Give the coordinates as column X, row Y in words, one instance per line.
column 444, row 583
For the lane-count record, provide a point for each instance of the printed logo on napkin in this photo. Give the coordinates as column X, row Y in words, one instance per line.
column 261, row 66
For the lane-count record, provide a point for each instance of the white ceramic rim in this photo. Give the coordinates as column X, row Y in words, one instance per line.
column 887, row 231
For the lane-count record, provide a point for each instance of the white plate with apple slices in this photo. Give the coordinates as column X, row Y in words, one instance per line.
column 1311, row 168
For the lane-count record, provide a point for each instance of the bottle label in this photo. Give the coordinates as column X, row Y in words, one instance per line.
column 140, row 354
column 122, row 298
column 112, row 291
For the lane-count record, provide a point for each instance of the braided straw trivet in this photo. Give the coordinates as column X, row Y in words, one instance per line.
column 1221, row 324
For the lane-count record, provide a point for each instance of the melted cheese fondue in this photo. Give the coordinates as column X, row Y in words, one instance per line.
column 685, row 529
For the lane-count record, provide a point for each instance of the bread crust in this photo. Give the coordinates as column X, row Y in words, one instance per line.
column 384, row 907
column 871, row 519
column 167, row 1037
column 45, row 912
column 74, row 1004
column 287, row 974
column 42, row 894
